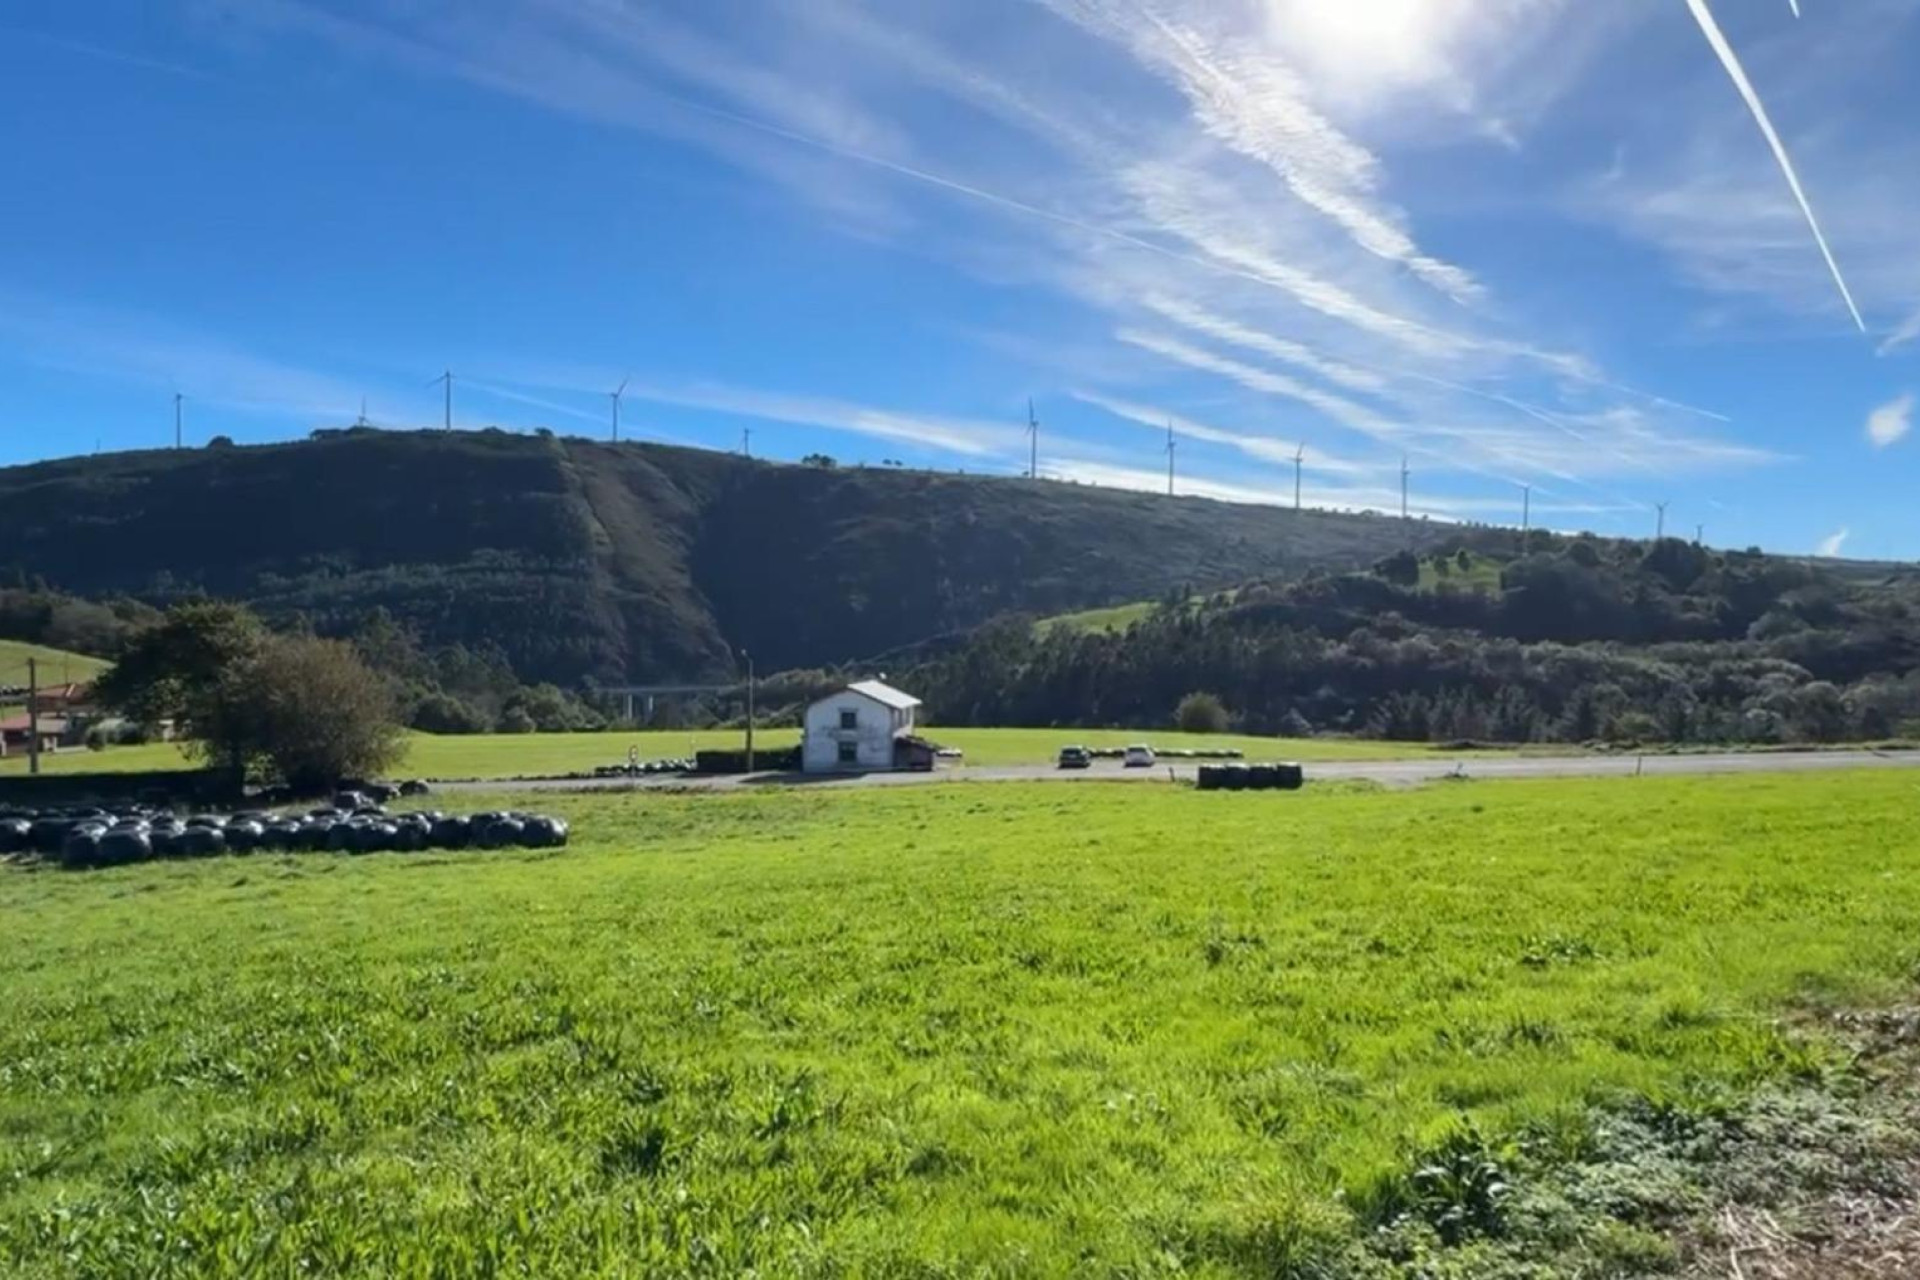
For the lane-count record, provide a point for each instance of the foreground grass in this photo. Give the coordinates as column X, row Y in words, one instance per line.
column 508, row 755
column 1028, row 1031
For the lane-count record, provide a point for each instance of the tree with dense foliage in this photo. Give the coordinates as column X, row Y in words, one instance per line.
column 304, row 709
column 1201, row 713
column 309, row 712
column 177, row 673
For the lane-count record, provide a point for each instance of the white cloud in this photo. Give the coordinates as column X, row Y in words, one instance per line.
column 1245, row 95
column 1223, row 329
column 1889, row 422
column 1903, row 333
column 1264, row 448
column 1831, row 544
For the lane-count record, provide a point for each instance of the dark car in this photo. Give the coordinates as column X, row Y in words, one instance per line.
column 1075, row 758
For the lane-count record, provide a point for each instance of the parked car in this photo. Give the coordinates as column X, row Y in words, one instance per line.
column 1075, row 758
column 1139, row 756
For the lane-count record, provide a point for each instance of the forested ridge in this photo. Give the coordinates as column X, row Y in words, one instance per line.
column 578, row 561
column 1574, row 640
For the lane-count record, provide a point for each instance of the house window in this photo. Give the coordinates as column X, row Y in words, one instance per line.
column 849, row 751
column 849, row 719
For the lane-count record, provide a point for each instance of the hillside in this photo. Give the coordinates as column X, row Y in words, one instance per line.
column 581, row 560
column 1576, row 639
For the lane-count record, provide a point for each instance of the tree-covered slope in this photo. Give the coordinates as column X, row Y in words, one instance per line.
column 582, row 560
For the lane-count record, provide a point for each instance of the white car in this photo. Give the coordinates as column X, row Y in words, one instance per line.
column 1139, row 756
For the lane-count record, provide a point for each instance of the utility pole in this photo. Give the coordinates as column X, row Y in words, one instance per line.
column 749, row 658
column 1299, row 456
column 1169, row 459
column 1033, row 442
column 178, row 438
column 1660, row 523
column 33, row 716
column 615, row 395
column 1403, row 486
column 1526, row 510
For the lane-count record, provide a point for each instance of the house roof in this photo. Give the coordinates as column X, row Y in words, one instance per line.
column 884, row 694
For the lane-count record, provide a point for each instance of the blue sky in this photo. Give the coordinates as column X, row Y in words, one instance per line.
column 1538, row 243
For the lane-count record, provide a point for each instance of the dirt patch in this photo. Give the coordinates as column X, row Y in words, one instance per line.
column 1837, row 1199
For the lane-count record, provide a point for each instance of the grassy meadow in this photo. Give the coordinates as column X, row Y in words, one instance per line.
column 1026, row 1031
column 507, row 755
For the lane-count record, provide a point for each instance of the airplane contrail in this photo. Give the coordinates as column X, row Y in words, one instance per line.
column 1795, row 6
column 1711, row 30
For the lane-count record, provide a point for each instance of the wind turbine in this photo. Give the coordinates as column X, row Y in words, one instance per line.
column 447, row 378
column 1660, row 523
column 1170, row 444
column 178, row 438
column 1299, row 457
column 1526, row 509
column 1403, row 486
column 615, row 395
column 1033, row 442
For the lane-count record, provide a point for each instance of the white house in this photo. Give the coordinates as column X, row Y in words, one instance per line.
column 856, row 728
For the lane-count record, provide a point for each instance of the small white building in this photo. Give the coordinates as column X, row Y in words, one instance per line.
column 857, row 728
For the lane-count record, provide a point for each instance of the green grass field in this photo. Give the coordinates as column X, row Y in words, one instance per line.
column 57, row 666
column 1031, row 1031
column 1113, row 618
column 544, row 754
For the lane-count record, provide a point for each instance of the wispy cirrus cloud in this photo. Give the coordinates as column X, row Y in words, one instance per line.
column 1264, row 448
column 1184, row 177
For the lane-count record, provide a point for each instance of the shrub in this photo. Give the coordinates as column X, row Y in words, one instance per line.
column 444, row 713
column 1200, row 713
column 516, row 720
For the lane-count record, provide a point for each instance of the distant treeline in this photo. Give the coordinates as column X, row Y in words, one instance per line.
column 1575, row 640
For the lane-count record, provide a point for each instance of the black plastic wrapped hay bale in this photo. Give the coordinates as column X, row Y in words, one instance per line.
column 1210, row 778
column 201, row 841
column 280, row 837
column 1233, row 777
column 452, row 832
column 542, row 831
column 13, row 835
column 501, row 833
column 1289, row 777
column 81, row 848
column 127, row 844
column 244, row 837
column 49, row 833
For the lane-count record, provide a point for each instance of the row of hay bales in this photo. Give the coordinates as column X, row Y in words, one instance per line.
column 1252, row 777
column 83, row 838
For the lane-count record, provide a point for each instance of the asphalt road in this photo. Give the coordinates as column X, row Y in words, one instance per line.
column 1400, row 773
